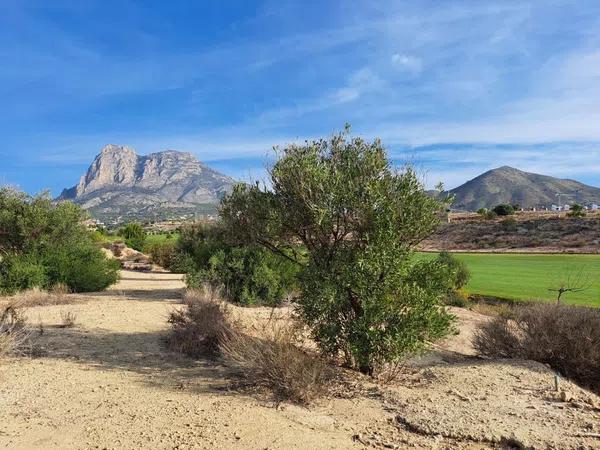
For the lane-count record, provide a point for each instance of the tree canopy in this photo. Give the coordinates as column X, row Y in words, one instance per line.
column 339, row 209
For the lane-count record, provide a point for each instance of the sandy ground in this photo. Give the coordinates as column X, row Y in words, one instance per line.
column 109, row 382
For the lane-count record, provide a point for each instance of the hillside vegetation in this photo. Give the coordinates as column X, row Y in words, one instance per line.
column 527, row 232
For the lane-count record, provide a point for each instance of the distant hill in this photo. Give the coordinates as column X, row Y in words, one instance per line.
column 121, row 185
column 509, row 185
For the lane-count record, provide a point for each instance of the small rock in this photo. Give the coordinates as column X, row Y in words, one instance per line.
column 565, row 396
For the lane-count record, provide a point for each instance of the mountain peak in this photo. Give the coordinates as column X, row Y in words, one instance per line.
column 113, row 148
column 509, row 185
column 120, row 182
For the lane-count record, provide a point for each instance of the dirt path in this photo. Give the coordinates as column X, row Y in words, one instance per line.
column 109, row 382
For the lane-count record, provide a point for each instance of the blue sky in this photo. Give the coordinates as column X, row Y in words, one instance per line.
column 454, row 87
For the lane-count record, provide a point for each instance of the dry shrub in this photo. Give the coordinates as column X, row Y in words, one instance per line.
column 390, row 372
column 14, row 334
column 267, row 356
column 60, row 289
column 198, row 327
column 67, row 319
column 37, row 297
column 271, row 358
column 565, row 337
column 491, row 308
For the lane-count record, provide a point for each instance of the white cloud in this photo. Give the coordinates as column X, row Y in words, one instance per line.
column 407, row 63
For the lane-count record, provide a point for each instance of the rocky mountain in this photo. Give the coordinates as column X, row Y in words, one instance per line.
column 122, row 185
column 509, row 185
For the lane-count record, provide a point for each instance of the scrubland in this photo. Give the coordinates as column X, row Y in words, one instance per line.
column 112, row 381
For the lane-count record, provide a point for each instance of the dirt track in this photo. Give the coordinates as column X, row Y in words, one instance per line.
column 109, row 382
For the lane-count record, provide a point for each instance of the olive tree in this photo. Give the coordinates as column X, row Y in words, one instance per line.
column 338, row 208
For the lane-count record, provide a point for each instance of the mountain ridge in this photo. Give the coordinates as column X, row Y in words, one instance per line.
column 507, row 184
column 120, row 183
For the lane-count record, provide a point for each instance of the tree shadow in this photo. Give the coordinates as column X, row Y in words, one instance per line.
column 155, row 294
column 449, row 358
column 142, row 353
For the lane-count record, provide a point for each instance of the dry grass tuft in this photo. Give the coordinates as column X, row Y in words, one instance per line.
column 67, row 319
column 37, row 297
column 268, row 356
column 271, row 358
column 198, row 328
column 14, row 334
column 60, row 289
column 567, row 338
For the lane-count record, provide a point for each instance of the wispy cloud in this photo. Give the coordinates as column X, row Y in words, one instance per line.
column 407, row 63
column 460, row 87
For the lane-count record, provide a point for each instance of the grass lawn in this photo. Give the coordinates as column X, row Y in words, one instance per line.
column 529, row 276
column 160, row 238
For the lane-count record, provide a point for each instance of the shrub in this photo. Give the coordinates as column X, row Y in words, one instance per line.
column 14, row 334
column 82, row 267
column 504, row 209
column 199, row 326
column 490, row 215
column 38, row 297
column 509, row 224
column 458, row 298
column 458, row 272
column 134, row 235
column 245, row 274
column 567, row 338
column 576, row 210
column 162, row 253
column 20, row 272
column 268, row 358
column 67, row 319
column 273, row 360
column 43, row 243
column 446, row 274
column 358, row 219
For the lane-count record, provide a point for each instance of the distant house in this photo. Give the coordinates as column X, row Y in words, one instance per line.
column 566, row 207
column 595, row 207
column 555, row 208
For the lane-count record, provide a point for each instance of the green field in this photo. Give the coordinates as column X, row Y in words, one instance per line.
column 529, row 276
column 159, row 238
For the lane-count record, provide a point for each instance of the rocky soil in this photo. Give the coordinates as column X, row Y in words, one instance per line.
column 522, row 233
column 109, row 382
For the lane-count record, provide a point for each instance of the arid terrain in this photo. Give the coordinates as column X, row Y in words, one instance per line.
column 110, row 382
column 525, row 232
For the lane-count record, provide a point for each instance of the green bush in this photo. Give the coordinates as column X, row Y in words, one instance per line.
column 457, row 271
column 490, row 215
column 21, row 272
column 445, row 274
column 43, row 244
column 576, row 211
column 81, row 267
column 134, row 235
column 358, row 219
column 504, row 209
column 162, row 253
column 248, row 275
